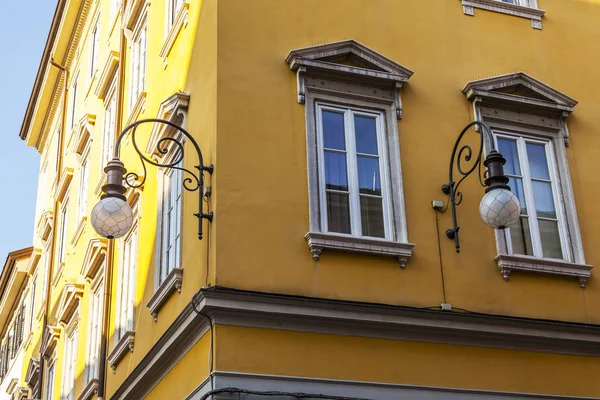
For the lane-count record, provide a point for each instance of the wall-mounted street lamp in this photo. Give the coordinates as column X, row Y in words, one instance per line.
column 499, row 207
column 112, row 217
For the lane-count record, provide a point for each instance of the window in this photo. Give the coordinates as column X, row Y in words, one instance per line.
column 95, row 324
column 354, row 175
column 46, row 271
column 127, row 283
column 171, row 223
column 94, row 45
column 62, row 234
column 32, row 302
column 524, row 3
column 115, row 6
column 84, row 175
column 70, row 360
column 74, row 102
column 528, row 119
column 172, row 9
column 108, row 129
column 138, row 64
column 356, row 201
column 49, row 391
column 531, row 168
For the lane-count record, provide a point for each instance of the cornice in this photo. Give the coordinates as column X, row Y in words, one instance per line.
column 219, row 305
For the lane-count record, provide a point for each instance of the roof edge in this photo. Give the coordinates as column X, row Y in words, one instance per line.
column 44, row 63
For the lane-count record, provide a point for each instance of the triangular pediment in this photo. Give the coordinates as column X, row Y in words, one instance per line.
column 68, row 301
column 33, row 371
column 521, row 90
column 349, row 56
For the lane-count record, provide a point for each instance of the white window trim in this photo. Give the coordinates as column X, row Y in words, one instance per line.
column 521, row 141
column 136, row 51
column 94, row 48
column 545, row 120
column 72, row 331
column 531, row 11
column 50, row 384
column 352, row 168
column 179, row 21
column 349, row 86
column 95, row 312
column 107, row 151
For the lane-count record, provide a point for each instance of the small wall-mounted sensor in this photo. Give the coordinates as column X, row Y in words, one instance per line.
column 207, row 191
column 437, row 204
column 446, row 307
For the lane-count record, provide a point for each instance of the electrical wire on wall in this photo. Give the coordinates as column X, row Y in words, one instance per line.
column 210, row 328
column 437, row 228
column 278, row 394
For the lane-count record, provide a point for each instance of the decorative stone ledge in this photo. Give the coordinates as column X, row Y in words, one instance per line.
column 171, row 284
column 317, row 242
column 126, row 343
column 507, row 264
column 535, row 14
column 90, row 390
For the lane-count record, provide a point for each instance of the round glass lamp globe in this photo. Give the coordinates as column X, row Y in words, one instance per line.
column 112, row 217
column 500, row 208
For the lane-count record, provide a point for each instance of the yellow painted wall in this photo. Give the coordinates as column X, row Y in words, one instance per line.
column 262, row 194
column 266, row 351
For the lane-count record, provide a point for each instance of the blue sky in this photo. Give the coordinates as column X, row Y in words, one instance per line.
column 24, row 27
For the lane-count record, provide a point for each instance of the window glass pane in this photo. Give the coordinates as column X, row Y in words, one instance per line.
column 338, row 212
column 368, row 175
column 508, row 148
column 538, row 163
column 366, row 134
column 516, row 186
column 335, row 171
column 333, row 130
column 521, row 237
column 550, row 239
column 544, row 202
column 371, row 211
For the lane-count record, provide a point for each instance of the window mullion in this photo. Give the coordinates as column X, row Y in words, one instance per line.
column 321, row 170
column 558, row 202
column 529, row 198
column 353, row 186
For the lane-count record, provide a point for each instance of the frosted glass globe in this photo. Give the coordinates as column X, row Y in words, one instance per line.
column 500, row 208
column 112, row 217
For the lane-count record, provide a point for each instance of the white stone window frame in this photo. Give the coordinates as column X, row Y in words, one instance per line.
column 524, row 9
column 543, row 116
column 373, row 84
column 67, row 390
column 176, row 18
column 62, row 236
column 173, row 109
column 74, row 96
column 139, row 61
column 96, row 302
column 352, row 169
column 49, row 383
column 94, row 43
column 108, row 133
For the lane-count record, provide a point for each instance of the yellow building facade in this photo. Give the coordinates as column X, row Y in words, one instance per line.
column 326, row 272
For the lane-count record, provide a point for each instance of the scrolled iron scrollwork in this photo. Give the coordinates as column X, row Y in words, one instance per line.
column 174, row 147
column 465, row 161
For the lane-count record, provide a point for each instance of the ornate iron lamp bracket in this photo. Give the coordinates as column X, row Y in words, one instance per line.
column 494, row 175
column 192, row 181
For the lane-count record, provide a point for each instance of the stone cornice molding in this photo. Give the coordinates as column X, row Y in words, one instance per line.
column 533, row 13
column 347, row 67
column 69, row 301
column 62, row 186
column 83, row 133
column 107, row 75
column 305, row 314
column 93, row 258
column 50, row 339
column 527, row 94
column 123, row 346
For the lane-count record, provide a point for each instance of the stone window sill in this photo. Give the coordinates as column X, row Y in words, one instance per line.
column 317, row 242
column 534, row 14
column 171, row 284
column 507, row 264
column 90, row 390
column 121, row 348
column 180, row 22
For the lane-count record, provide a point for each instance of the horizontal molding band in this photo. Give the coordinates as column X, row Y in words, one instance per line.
column 305, row 314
